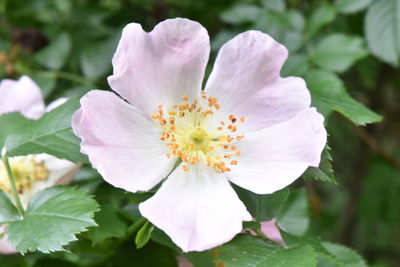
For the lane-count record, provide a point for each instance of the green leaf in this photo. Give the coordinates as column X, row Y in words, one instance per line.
column 328, row 90
column 321, row 16
column 294, row 241
column 144, row 234
column 345, row 255
column 46, row 82
column 285, row 27
column 263, row 207
column 275, row 5
column 52, row 219
column 55, row 55
column 249, row 251
column 95, row 59
column 109, row 223
column 294, row 215
column 296, row 256
column 329, row 254
column 325, row 171
column 295, row 65
column 351, row 6
column 8, row 212
column 241, row 13
column 382, row 30
column 337, row 52
column 11, row 123
column 51, row 134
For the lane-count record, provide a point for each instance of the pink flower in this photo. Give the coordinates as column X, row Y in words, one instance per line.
column 44, row 170
column 249, row 127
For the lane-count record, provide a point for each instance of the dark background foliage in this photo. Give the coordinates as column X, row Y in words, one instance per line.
column 342, row 48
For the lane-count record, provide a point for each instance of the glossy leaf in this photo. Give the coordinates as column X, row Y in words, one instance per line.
column 249, row 251
column 53, row 218
column 51, row 134
column 327, row 89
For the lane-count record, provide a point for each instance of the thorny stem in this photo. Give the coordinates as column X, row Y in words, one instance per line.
column 14, row 191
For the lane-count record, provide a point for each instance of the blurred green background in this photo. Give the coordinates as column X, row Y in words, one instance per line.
column 66, row 47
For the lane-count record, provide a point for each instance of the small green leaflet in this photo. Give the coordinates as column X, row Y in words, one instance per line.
column 144, row 234
column 53, row 218
column 328, row 90
column 325, row 171
column 50, row 134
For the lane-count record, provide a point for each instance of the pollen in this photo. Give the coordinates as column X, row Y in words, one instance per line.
column 26, row 170
column 190, row 133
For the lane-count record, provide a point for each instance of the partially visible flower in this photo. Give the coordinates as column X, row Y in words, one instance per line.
column 249, row 126
column 271, row 230
column 183, row 262
column 32, row 173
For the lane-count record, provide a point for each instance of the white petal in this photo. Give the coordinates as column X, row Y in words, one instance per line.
column 274, row 157
column 247, row 83
column 159, row 67
column 5, row 247
column 121, row 142
column 198, row 209
column 23, row 96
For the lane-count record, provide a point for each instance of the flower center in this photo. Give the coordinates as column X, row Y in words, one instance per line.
column 26, row 170
column 193, row 134
column 198, row 139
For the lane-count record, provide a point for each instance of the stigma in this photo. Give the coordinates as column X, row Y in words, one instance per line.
column 191, row 132
column 26, row 171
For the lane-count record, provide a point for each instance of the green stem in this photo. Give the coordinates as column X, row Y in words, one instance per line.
column 14, row 191
column 66, row 76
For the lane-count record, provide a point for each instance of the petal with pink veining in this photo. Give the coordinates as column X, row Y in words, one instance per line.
column 160, row 67
column 246, row 81
column 122, row 144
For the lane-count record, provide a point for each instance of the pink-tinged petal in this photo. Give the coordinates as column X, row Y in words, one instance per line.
column 274, row 157
column 5, row 247
column 56, row 103
column 122, row 144
column 160, row 67
column 271, row 231
column 198, row 209
column 246, row 81
column 22, row 96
